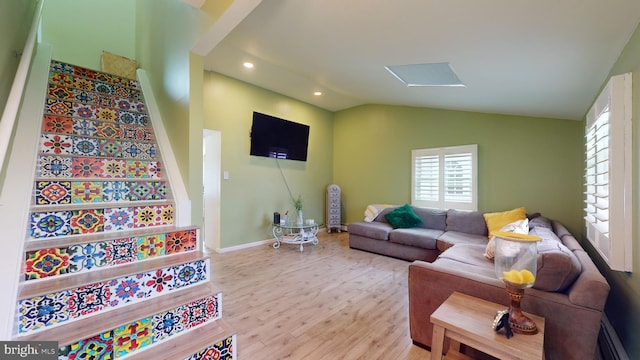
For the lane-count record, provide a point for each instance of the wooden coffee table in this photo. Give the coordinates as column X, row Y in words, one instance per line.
column 468, row 320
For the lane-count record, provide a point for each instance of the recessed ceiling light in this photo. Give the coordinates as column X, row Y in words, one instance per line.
column 434, row 74
column 248, row 65
column 317, row 93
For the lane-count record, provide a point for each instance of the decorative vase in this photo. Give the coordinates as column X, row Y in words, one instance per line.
column 300, row 220
column 516, row 265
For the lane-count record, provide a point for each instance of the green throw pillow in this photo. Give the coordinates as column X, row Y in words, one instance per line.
column 403, row 217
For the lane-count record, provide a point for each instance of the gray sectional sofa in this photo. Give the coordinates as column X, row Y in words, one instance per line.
column 447, row 249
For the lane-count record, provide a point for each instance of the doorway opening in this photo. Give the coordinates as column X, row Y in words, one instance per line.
column 210, row 232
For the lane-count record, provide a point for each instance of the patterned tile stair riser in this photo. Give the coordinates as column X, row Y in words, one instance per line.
column 71, row 259
column 222, row 350
column 65, row 135
column 82, row 79
column 64, row 167
column 97, row 95
column 57, row 144
column 64, row 68
column 136, row 335
column 69, row 87
column 100, row 103
column 63, row 125
column 65, row 101
column 118, row 129
column 127, row 127
column 82, row 192
column 50, row 224
column 62, row 109
column 55, row 308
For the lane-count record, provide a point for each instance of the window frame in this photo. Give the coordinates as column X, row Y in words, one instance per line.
column 608, row 214
column 441, row 153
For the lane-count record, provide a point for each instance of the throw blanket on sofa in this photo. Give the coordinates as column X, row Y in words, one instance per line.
column 372, row 211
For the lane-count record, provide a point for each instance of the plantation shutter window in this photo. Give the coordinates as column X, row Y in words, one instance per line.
column 597, row 173
column 445, row 178
column 607, row 177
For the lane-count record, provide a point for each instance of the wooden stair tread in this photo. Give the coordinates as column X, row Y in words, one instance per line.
column 100, row 205
column 186, row 343
column 33, row 288
column 64, row 241
column 72, row 332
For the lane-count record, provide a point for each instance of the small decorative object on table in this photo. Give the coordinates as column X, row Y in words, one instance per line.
column 297, row 203
column 502, row 321
column 516, row 261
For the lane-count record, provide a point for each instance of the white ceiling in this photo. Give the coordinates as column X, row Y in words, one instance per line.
column 543, row 58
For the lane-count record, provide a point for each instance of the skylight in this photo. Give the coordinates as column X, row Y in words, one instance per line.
column 434, row 74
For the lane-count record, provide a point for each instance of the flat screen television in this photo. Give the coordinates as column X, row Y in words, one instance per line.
column 278, row 138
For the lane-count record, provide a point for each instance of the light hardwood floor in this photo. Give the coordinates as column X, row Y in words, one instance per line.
column 328, row 302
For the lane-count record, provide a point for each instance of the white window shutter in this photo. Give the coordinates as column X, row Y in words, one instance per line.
column 445, row 178
column 426, row 179
column 607, row 176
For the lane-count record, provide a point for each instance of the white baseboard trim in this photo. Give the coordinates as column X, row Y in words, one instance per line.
column 244, row 246
column 252, row 244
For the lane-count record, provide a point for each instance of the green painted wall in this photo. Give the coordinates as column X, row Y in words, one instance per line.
column 79, row 30
column 15, row 18
column 623, row 304
column 522, row 161
column 163, row 50
column 255, row 188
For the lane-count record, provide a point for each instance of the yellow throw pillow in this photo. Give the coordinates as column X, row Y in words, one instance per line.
column 495, row 221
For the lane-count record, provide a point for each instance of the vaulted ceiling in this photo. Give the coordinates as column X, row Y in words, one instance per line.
column 543, row 58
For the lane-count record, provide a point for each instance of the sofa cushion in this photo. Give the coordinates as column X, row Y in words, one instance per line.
column 590, row 288
column 570, row 242
column 495, row 221
column 450, row 238
column 545, row 234
column 418, row 237
column 431, row 218
column 470, row 222
column 540, row 221
column 403, row 217
column 470, row 254
column 558, row 267
column 375, row 230
column 565, row 236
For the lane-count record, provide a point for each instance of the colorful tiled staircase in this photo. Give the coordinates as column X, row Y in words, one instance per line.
column 107, row 274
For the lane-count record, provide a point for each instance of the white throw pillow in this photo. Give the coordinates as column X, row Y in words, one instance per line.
column 518, row 227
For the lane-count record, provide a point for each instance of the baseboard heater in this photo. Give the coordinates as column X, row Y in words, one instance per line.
column 608, row 342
